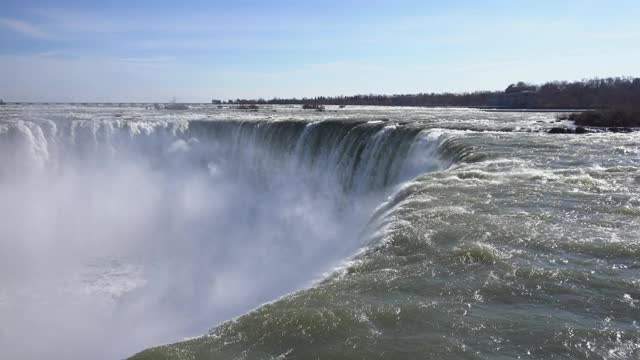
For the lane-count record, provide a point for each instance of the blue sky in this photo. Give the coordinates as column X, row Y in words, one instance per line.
column 198, row 50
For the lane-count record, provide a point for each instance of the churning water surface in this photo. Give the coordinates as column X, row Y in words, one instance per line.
column 368, row 232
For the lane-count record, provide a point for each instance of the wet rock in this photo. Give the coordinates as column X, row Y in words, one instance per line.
column 559, row 130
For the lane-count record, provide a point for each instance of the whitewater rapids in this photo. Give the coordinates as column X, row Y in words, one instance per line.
column 369, row 232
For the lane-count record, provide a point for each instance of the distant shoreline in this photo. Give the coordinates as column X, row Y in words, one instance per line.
column 610, row 102
column 234, row 105
column 620, row 93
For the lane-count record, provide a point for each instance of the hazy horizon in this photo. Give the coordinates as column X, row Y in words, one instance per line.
column 70, row 51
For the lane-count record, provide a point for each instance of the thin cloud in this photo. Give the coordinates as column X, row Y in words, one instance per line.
column 23, row 28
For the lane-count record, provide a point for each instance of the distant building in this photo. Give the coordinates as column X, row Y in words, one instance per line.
column 216, row 102
column 521, row 87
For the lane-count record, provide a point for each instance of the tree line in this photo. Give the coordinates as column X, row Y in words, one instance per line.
column 609, row 93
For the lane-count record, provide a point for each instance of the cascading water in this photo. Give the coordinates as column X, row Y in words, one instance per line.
column 121, row 234
column 125, row 227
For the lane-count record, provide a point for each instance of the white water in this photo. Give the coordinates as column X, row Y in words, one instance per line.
column 120, row 235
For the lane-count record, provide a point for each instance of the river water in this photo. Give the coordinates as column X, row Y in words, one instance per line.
column 355, row 233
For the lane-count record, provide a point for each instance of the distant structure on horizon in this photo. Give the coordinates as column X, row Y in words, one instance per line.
column 216, row 102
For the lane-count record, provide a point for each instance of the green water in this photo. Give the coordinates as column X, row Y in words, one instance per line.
column 528, row 247
column 355, row 233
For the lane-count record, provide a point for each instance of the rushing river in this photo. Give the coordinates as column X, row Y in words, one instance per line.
column 355, row 233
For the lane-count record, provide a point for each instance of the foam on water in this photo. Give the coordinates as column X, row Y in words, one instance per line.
column 123, row 234
column 526, row 246
column 525, row 249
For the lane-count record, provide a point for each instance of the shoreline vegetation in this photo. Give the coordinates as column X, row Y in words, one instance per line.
column 604, row 103
column 605, row 118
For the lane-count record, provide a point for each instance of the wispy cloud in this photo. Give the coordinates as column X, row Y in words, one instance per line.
column 23, row 28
